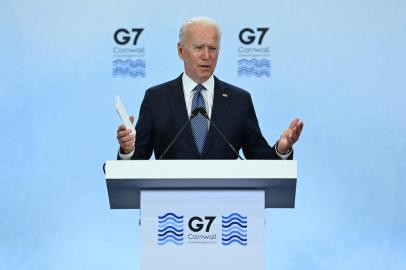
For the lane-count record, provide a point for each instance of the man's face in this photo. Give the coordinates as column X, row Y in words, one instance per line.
column 200, row 51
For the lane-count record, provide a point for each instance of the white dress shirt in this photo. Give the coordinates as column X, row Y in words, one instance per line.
column 188, row 91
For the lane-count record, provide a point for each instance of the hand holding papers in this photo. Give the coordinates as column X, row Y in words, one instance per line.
column 126, row 131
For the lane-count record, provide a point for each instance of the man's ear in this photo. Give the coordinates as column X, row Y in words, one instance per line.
column 180, row 50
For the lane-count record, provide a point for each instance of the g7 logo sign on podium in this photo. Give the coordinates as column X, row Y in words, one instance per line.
column 199, row 224
column 247, row 36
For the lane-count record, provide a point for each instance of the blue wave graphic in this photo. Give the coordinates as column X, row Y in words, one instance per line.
column 242, row 239
column 234, row 241
column 179, row 239
column 233, row 215
column 170, row 229
column 171, row 241
column 253, row 72
column 235, row 232
column 129, row 62
column 254, row 67
column 129, row 68
column 234, row 229
column 171, row 223
column 255, row 62
column 170, row 219
column 227, row 221
column 118, row 72
column 170, row 232
column 234, row 223
column 170, row 214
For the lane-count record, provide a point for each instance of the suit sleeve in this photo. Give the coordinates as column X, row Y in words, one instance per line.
column 145, row 134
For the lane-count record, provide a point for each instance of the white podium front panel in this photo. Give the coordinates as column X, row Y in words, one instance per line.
column 202, row 230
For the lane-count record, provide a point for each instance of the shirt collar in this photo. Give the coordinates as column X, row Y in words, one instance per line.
column 189, row 85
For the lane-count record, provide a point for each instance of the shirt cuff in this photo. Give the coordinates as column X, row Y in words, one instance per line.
column 285, row 156
column 126, row 156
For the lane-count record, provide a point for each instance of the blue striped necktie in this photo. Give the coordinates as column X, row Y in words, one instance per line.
column 199, row 122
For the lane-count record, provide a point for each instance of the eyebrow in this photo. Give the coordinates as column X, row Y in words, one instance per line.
column 204, row 44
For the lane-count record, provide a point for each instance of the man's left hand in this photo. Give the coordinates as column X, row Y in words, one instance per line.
column 290, row 136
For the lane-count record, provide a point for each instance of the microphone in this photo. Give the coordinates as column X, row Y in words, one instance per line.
column 203, row 112
column 192, row 115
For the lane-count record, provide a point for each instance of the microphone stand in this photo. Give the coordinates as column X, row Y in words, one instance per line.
column 193, row 115
column 204, row 113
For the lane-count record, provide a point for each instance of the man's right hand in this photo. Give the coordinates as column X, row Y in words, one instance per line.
column 125, row 139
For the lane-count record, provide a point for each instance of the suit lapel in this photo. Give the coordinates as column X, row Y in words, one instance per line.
column 176, row 100
column 220, row 107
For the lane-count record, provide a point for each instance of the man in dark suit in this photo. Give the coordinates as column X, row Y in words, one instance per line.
column 168, row 106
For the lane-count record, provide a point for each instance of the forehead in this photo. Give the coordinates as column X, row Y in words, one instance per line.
column 202, row 33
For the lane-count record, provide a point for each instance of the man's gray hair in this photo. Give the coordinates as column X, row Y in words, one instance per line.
column 197, row 20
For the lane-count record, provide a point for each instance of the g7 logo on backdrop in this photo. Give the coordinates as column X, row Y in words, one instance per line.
column 122, row 36
column 196, row 224
column 247, row 36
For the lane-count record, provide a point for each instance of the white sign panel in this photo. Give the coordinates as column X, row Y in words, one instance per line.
column 202, row 230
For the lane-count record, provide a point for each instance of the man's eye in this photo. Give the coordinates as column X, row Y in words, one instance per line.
column 213, row 49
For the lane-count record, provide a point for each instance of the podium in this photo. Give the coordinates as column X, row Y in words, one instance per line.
column 200, row 214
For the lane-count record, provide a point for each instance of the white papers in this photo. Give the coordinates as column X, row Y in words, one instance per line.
column 122, row 112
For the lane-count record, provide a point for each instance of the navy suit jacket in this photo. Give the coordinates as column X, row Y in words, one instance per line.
column 163, row 113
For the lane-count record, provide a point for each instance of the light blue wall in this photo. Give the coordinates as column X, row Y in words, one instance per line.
column 339, row 65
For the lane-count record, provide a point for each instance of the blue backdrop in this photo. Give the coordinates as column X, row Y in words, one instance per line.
column 339, row 65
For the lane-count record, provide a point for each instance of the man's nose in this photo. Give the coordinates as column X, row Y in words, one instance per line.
column 205, row 53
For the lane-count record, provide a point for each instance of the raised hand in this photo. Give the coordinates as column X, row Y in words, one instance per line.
column 290, row 136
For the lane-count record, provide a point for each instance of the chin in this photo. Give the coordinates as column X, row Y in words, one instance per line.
column 206, row 75
column 204, row 78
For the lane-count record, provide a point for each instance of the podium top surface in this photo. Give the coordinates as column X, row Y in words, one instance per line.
column 127, row 178
column 175, row 169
